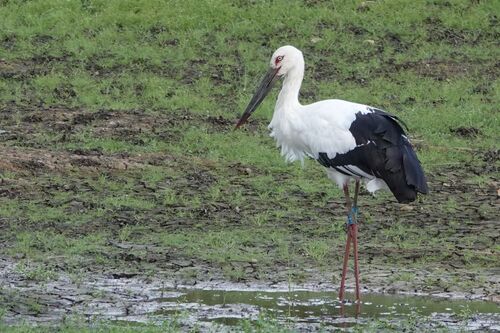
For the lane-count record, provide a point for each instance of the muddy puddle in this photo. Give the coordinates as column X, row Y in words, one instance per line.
column 312, row 310
column 223, row 306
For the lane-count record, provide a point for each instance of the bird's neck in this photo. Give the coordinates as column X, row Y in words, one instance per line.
column 288, row 98
column 287, row 120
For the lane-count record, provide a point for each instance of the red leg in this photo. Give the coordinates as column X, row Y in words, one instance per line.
column 348, row 204
column 344, row 267
column 352, row 235
column 355, row 241
column 356, row 264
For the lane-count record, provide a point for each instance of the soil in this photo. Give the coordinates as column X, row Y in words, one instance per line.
column 33, row 139
column 23, row 154
column 126, row 297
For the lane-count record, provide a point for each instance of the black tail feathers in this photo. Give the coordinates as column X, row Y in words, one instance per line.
column 414, row 177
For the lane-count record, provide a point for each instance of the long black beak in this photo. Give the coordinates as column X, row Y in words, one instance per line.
column 264, row 88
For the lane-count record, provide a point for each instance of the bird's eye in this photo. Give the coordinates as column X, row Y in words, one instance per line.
column 278, row 59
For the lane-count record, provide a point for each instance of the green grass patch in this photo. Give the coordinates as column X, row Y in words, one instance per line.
column 116, row 125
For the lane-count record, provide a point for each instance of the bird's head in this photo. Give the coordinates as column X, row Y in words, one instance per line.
column 283, row 61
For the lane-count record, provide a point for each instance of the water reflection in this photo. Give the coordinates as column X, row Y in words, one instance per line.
column 320, row 307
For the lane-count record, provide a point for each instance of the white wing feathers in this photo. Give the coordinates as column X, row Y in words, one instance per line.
column 322, row 127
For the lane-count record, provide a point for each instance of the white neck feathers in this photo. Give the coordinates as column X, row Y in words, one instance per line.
column 286, row 122
column 288, row 98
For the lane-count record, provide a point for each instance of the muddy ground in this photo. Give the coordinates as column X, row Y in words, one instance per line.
column 41, row 144
column 103, row 212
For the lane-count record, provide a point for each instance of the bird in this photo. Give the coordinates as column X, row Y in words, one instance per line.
column 353, row 142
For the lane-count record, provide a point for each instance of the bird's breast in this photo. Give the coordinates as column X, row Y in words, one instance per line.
column 289, row 139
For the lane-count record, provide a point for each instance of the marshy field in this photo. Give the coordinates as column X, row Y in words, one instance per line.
column 128, row 203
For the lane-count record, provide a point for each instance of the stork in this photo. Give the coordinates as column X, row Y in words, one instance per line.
column 354, row 142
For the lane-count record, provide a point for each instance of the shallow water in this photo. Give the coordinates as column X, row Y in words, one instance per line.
column 308, row 308
column 223, row 304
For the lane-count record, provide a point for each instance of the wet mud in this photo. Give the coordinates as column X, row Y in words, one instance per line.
column 463, row 212
column 221, row 304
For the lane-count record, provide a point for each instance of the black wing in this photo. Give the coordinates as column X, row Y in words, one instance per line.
column 382, row 150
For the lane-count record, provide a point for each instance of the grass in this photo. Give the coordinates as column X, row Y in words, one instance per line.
column 119, row 114
column 173, row 326
column 264, row 324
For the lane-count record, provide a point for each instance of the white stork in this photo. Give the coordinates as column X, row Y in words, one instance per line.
column 352, row 141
